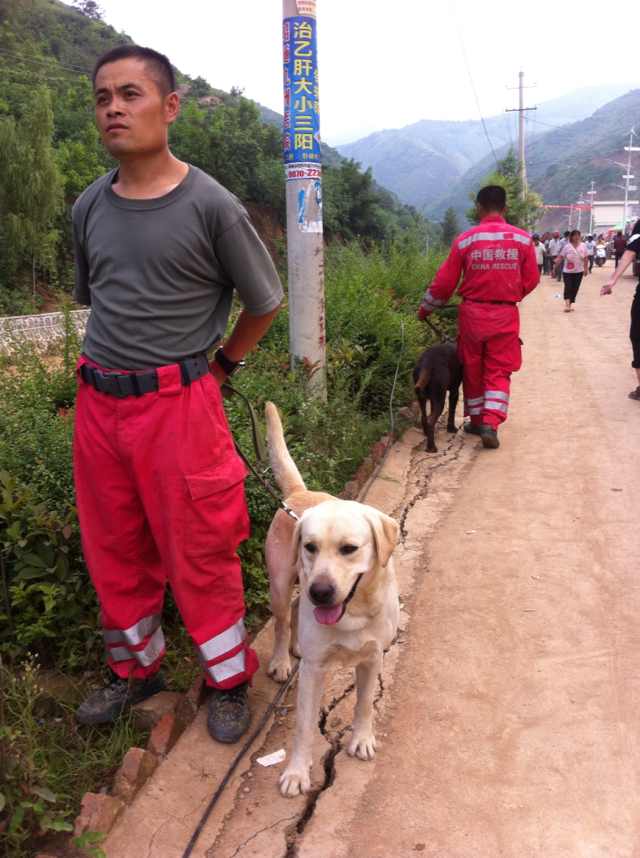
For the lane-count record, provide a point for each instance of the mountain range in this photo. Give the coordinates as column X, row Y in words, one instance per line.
column 435, row 164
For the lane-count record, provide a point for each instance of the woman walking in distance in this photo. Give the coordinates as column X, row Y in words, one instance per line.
column 574, row 258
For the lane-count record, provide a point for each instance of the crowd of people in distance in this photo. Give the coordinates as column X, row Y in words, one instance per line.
column 569, row 258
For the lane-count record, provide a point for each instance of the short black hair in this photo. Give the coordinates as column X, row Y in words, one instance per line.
column 574, row 232
column 492, row 198
column 162, row 68
column 566, row 233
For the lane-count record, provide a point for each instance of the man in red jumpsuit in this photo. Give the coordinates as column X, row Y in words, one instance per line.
column 160, row 250
column 498, row 266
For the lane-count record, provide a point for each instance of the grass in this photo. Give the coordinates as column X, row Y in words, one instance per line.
column 48, row 761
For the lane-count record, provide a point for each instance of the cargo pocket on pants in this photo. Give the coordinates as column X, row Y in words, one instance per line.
column 216, row 517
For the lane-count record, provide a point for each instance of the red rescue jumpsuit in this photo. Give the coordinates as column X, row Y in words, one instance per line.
column 499, row 268
column 160, row 494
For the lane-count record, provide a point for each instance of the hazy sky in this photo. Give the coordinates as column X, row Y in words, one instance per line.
column 387, row 64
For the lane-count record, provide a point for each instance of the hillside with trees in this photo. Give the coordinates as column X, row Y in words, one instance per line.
column 421, row 162
column 50, row 150
column 562, row 162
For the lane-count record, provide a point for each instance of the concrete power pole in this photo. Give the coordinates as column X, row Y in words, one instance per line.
column 591, row 194
column 522, row 163
column 628, row 177
column 580, row 204
column 521, row 158
column 303, row 174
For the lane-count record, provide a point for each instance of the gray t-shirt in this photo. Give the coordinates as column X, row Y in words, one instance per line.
column 159, row 273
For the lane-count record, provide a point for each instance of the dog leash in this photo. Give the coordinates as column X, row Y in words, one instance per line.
column 236, row 761
column 436, row 330
column 259, row 448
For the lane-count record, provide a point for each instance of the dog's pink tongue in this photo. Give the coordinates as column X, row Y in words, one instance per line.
column 328, row 616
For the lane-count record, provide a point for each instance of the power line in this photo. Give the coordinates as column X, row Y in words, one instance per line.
column 473, row 87
column 48, row 63
column 548, row 124
column 21, row 76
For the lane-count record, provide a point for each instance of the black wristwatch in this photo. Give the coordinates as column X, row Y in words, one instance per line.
column 228, row 366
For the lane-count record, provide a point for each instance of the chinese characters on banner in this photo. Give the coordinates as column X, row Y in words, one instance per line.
column 301, row 142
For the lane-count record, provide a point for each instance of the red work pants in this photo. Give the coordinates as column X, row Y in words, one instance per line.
column 489, row 349
column 160, row 495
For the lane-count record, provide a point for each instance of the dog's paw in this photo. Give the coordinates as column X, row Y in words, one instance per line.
column 294, row 781
column 280, row 669
column 362, row 746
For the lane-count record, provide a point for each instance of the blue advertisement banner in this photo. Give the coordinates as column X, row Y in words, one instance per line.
column 301, row 143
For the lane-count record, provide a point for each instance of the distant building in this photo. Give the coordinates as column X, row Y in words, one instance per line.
column 608, row 214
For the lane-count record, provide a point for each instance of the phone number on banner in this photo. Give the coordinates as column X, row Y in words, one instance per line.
column 302, row 171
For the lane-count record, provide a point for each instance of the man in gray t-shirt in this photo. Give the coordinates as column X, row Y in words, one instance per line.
column 165, row 293
column 160, row 249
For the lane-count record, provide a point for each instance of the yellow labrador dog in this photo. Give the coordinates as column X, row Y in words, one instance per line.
column 340, row 551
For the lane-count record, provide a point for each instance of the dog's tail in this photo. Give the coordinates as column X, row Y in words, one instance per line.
column 423, row 378
column 284, row 468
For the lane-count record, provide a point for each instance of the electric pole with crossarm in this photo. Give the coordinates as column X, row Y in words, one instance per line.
column 520, row 110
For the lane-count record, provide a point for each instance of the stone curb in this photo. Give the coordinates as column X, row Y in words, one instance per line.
column 169, row 714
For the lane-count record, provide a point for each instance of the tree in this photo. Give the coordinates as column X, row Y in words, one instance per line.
column 30, row 190
column 522, row 212
column 450, row 226
column 89, row 8
column 199, row 88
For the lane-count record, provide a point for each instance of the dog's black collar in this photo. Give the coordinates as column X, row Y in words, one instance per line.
column 351, row 594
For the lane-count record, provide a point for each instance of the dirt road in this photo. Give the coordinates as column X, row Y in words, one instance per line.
column 514, row 728
column 509, row 711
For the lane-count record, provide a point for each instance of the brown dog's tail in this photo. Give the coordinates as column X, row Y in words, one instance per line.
column 284, row 468
column 423, row 378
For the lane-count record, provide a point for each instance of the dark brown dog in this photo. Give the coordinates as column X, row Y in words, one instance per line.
column 439, row 370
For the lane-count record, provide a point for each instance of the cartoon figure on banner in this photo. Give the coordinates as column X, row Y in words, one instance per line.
column 310, row 207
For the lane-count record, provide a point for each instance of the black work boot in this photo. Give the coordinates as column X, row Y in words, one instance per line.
column 472, row 429
column 229, row 714
column 106, row 704
column 489, row 437
column 635, row 394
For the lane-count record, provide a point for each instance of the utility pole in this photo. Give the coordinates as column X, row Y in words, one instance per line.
column 627, row 177
column 303, row 174
column 580, row 204
column 522, row 165
column 591, row 194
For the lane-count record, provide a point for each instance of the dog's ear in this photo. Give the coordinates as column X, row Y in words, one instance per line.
column 385, row 533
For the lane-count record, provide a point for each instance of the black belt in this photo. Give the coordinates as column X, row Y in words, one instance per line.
column 478, row 301
column 122, row 384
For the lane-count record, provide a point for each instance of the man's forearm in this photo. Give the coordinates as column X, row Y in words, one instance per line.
column 247, row 333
